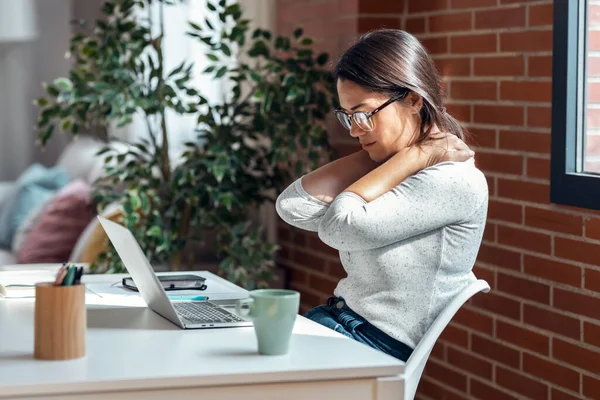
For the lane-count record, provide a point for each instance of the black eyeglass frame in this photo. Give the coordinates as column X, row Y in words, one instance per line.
column 368, row 114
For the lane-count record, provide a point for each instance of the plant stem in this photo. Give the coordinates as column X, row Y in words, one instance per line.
column 165, row 165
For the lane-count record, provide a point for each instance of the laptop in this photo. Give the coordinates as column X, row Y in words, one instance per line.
column 185, row 314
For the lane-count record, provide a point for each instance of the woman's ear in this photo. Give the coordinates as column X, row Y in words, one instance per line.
column 415, row 102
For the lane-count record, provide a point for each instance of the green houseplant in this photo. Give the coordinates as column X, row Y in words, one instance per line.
column 269, row 126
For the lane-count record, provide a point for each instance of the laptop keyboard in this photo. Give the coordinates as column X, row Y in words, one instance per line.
column 204, row 312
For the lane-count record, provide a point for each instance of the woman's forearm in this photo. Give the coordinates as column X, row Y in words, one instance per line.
column 331, row 179
column 389, row 174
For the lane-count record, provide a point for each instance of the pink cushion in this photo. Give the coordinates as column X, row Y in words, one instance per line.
column 64, row 218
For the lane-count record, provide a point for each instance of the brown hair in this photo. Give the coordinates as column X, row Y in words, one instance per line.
column 389, row 61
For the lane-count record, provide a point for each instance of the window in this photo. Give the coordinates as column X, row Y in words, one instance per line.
column 575, row 171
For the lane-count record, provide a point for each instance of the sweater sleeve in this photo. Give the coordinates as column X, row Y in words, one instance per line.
column 298, row 208
column 444, row 194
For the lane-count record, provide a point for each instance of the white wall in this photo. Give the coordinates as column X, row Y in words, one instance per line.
column 23, row 68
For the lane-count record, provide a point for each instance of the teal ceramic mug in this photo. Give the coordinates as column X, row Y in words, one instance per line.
column 273, row 313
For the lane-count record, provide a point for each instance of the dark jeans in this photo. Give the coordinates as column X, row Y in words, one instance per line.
column 339, row 317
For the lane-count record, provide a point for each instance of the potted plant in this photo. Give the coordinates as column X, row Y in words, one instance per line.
column 248, row 146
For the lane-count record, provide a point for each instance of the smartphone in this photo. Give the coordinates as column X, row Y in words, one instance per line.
column 173, row 282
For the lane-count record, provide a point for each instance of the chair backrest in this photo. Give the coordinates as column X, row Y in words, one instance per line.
column 416, row 363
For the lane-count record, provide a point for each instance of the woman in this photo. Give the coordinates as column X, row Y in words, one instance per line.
column 407, row 212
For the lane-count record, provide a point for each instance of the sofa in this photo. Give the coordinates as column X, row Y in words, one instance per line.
column 47, row 215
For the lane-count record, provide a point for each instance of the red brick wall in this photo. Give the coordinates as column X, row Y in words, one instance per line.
column 537, row 334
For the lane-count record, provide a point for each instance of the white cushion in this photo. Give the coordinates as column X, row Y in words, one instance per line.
column 6, row 190
column 79, row 157
column 6, row 257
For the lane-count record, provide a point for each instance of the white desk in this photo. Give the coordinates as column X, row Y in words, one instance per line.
column 133, row 353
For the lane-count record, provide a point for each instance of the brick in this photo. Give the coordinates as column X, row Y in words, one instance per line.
column 576, row 250
column 467, row 362
column 471, row 44
column 525, row 141
column 335, row 268
column 322, row 284
column 551, row 371
column 500, row 18
column 369, row 24
column 489, row 233
column 297, row 276
column 454, row 66
column 541, row 14
column 308, row 260
column 502, row 2
column 484, row 391
column 505, row 211
column 474, row 320
column 591, row 387
column 593, row 38
column 523, row 239
column 502, row 163
column 473, row 90
column 495, row 351
column 553, row 221
column 560, row 395
column 577, row 303
column 592, row 166
column 591, row 333
column 499, row 115
column 446, row 375
column 436, row 45
column 499, row 66
column 491, row 183
column 592, row 117
column 462, row 112
column 523, row 288
column 593, row 67
column 457, row 4
column 482, row 137
column 552, row 270
column 526, row 191
column 433, row 390
column 539, row 66
column 593, row 15
column 539, row 117
column 592, row 279
column 298, row 237
column 592, row 145
column 576, row 355
column 485, row 274
column 593, row 92
column 538, row 167
column 521, row 384
column 417, row 6
column 499, row 257
column 551, row 321
column 523, row 338
column 308, row 298
column 380, row 7
column 450, row 22
column 528, row 41
column 283, row 234
column 499, row 305
column 455, row 335
column 439, row 351
column 526, row 91
column 315, row 244
column 414, row 25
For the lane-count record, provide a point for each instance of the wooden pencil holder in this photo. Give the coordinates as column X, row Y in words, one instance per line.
column 60, row 321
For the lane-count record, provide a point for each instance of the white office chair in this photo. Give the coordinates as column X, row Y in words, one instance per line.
column 417, row 360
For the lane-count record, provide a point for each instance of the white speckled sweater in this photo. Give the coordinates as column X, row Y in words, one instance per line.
column 406, row 253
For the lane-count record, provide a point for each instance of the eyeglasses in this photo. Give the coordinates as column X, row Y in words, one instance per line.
column 363, row 119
